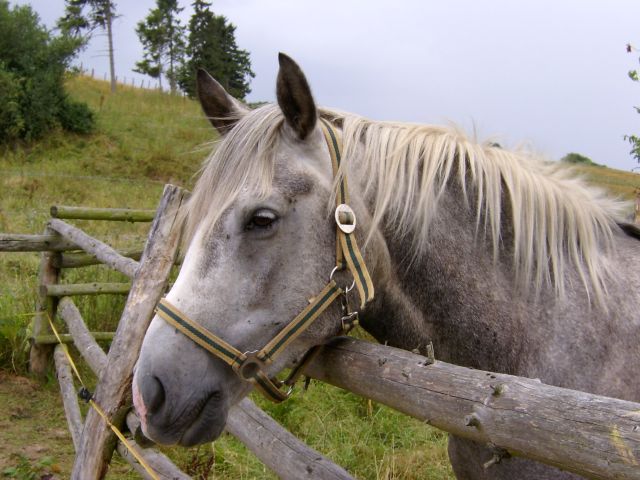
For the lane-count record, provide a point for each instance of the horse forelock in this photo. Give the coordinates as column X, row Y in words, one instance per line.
column 558, row 221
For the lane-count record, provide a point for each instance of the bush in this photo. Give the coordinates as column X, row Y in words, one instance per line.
column 32, row 69
column 579, row 159
column 76, row 117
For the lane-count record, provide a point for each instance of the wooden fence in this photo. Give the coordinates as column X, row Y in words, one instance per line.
column 591, row 435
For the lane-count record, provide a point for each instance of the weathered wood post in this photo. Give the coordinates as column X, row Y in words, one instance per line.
column 40, row 355
column 115, row 380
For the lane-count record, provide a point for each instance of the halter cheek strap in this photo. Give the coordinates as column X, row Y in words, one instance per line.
column 250, row 366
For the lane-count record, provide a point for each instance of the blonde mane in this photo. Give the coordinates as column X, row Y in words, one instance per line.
column 557, row 220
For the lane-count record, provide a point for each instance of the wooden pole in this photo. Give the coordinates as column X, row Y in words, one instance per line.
column 67, row 338
column 63, row 290
column 590, row 435
column 113, row 214
column 115, row 380
column 75, row 260
column 40, row 355
column 69, row 395
column 13, row 242
column 278, row 449
column 101, row 250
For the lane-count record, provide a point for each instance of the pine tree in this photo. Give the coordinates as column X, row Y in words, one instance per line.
column 161, row 35
column 212, row 46
column 83, row 17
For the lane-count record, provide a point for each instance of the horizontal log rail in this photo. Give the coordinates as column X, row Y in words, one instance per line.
column 69, row 289
column 76, row 260
column 15, row 242
column 101, row 250
column 594, row 436
column 111, row 214
column 68, row 338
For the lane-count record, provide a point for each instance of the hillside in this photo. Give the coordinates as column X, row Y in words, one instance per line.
column 145, row 139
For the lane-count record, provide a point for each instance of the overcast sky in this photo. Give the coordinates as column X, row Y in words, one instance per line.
column 549, row 73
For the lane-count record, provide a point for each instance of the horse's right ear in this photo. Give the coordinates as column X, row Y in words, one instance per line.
column 222, row 110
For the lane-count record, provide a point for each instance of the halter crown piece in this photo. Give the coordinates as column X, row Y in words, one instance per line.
column 249, row 366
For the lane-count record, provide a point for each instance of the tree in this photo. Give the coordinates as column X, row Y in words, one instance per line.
column 161, row 35
column 634, row 140
column 83, row 17
column 212, row 46
column 32, row 69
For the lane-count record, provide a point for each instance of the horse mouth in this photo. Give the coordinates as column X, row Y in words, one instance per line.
column 209, row 419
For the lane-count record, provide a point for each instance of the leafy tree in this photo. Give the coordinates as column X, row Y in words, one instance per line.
column 161, row 35
column 634, row 140
column 32, row 69
column 577, row 158
column 212, row 46
column 83, row 17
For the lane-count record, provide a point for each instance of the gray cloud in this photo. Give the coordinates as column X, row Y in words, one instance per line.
column 549, row 73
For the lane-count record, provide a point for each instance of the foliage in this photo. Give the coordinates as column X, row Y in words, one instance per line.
column 212, row 46
column 32, row 70
column 634, row 140
column 578, row 158
column 161, row 35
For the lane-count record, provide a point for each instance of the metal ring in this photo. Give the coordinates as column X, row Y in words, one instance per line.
column 347, row 289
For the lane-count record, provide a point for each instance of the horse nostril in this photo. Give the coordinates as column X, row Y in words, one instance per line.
column 152, row 393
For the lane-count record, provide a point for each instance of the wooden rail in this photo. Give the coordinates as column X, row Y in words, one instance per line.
column 112, row 214
column 68, row 289
column 594, row 436
column 51, row 242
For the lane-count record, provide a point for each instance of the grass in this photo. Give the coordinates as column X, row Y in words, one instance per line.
column 145, row 139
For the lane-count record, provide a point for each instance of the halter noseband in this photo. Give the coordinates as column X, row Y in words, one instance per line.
column 249, row 366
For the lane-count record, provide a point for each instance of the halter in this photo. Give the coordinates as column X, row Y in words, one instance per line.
column 249, row 366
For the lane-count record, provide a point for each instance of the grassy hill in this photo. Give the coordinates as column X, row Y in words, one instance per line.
column 145, row 139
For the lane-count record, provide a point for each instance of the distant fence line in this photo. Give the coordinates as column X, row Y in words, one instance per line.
column 146, row 84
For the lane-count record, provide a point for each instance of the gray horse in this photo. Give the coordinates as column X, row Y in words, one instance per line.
column 505, row 262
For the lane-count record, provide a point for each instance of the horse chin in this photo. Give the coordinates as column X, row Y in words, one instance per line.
column 208, row 424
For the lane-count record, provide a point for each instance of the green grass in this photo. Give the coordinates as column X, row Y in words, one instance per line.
column 143, row 140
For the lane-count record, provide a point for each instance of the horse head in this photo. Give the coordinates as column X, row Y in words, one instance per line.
column 261, row 250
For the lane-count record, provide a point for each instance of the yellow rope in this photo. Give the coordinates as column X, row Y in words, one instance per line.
column 97, row 408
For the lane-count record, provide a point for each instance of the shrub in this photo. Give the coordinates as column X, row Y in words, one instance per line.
column 32, row 69
column 577, row 158
column 76, row 117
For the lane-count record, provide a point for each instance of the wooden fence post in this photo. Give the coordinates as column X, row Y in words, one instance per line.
column 115, row 380
column 40, row 355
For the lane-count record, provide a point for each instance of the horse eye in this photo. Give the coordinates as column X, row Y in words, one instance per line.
column 262, row 219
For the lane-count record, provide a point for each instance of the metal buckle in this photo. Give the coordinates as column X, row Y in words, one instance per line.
column 251, row 364
column 345, row 218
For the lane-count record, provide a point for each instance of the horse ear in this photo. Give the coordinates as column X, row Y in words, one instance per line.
column 294, row 97
column 222, row 110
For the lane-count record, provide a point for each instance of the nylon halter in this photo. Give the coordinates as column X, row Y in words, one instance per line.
column 250, row 366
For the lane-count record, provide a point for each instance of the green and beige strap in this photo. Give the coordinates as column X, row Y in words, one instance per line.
column 250, row 366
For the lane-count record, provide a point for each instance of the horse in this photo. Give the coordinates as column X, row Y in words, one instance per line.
column 502, row 260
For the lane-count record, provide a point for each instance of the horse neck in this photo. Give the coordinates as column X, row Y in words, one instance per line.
column 454, row 294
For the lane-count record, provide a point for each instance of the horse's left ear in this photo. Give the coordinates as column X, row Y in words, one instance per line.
column 222, row 110
column 294, row 97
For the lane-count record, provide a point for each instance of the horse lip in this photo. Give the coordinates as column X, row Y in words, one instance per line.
column 208, row 423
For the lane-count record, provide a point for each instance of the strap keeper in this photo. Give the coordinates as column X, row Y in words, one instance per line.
column 345, row 218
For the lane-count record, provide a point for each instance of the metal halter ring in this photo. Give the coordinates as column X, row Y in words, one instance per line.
column 335, row 269
column 345, row 218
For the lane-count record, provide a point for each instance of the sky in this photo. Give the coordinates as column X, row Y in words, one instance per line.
column 549, row 74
